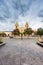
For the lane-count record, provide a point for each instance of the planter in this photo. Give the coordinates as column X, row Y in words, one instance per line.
column 1, row 43
column 40, row 44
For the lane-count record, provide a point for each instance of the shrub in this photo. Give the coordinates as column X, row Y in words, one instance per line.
column 1, row 40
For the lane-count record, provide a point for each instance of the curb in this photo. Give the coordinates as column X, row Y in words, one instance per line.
column 40, row 44
column 2, row 44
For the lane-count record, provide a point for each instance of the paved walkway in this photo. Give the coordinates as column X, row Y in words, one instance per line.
column 21, row 52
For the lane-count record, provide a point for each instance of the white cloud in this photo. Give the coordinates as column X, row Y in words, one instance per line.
column 21, row 11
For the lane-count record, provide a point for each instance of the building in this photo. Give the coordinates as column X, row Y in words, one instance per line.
column 8, row 33
column 21, row 29
column 5, row 32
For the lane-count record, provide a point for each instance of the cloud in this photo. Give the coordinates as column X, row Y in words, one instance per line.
column 21, row 11
column 40, row 14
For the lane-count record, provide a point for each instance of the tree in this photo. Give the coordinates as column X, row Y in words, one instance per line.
column 28, row 31
column 40, row 31
column 16, row 32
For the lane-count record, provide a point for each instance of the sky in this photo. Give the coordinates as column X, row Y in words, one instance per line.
column 21, row 11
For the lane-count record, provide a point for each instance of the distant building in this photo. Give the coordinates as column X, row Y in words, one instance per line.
column 8, row 33
column 21, row 29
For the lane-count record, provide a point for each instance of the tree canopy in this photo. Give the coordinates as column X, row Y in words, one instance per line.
column 40, row 31
column 28, row 31
column 16, row 32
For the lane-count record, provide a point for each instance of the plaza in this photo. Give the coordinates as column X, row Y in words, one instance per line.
column 21, row 52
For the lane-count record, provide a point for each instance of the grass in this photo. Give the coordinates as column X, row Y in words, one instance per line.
column 1, row 40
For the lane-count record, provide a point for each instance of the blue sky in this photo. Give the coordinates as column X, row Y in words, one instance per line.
column 20, row 11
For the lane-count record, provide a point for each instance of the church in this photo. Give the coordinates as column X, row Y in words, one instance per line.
column 16, row 26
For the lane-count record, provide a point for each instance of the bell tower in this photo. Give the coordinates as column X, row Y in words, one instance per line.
column 26, row 25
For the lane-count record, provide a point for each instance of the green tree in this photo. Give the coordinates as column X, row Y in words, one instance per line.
column 28, row 31
column 40, row 31
column 16, row 32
